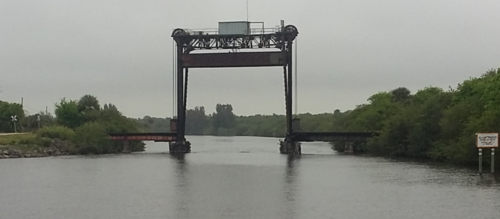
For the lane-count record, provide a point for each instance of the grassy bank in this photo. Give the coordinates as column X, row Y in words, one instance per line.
column 25, row 145
column 19, row 139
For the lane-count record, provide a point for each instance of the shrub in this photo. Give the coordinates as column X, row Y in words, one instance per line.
column 137, row 146
column 91, row 138
column 56, row 131
column 45, row 142
column 29, row 141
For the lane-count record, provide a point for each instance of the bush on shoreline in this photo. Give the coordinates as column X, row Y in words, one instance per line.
column 80, row 127
column 56, row 131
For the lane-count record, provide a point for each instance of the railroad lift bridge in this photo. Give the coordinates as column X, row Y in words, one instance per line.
column 236, row 44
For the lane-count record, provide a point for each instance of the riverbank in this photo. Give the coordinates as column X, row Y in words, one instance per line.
column 16, row 150
column 27, row 145
column 8, row 151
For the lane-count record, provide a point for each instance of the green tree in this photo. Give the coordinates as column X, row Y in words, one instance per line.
column 7, row 110
column 473, row 109
column 88, row 103
column 371, row 117
column 67, row 114
column 110, row 107
column 401, row 94
column 31, row 122
column 153, row 124
column 89, row 107
column 196, row 121
column 115, row 122
column 337, row 112
column 223, row 117
column 91, row 138
column 425, row 112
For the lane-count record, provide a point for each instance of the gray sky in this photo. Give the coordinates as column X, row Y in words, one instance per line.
column 121, row 51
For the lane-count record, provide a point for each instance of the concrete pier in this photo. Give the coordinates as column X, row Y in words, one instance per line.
column 179, row 147
column 287, row 147
column 126, row 147
column 348, row 147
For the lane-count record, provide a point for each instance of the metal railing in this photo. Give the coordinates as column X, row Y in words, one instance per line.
column 215, row 31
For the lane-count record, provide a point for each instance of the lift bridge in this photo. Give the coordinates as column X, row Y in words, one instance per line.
column 236, row 44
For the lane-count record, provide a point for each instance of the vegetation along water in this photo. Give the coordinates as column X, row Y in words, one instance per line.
column 431, row 123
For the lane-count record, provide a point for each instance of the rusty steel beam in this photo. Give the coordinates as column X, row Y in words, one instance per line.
column 242, row 59
column 143, row 136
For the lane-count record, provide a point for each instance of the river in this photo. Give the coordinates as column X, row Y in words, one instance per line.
column 241, row 177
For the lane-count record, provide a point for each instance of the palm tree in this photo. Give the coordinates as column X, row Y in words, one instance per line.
column 88, row 102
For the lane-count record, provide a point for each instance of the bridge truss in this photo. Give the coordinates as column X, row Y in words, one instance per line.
column 281, row 40
column 256, row 48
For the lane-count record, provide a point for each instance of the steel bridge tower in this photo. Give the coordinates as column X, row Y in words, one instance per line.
column 238, row 45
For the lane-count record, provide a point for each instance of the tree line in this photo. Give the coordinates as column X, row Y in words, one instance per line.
column 431, row 123
column 82, row 124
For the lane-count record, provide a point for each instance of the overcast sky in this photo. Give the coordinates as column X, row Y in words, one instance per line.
column 121, row 51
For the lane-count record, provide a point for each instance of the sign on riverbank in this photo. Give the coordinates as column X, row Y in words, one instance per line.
column 486, row 140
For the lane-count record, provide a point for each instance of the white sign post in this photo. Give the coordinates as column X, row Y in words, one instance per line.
column 487, row 140
column 38, row 120
column 14, row 119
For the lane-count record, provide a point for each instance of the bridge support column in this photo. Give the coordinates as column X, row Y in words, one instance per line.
column 126, row 147
column 290, row 147
column 348, row 148
column 288, row 88
column 180, row 147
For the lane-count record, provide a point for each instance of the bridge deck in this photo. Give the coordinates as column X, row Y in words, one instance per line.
column 163, row 136
column 297, row 136
column 332, row 136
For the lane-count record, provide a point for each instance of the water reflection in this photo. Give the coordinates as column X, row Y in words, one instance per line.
column 408, row 172
column 291, row 172
column 488, row 180
column 181, row 186
column 219, row 182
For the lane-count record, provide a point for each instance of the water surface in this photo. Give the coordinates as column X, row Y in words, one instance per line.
column 241, row 177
